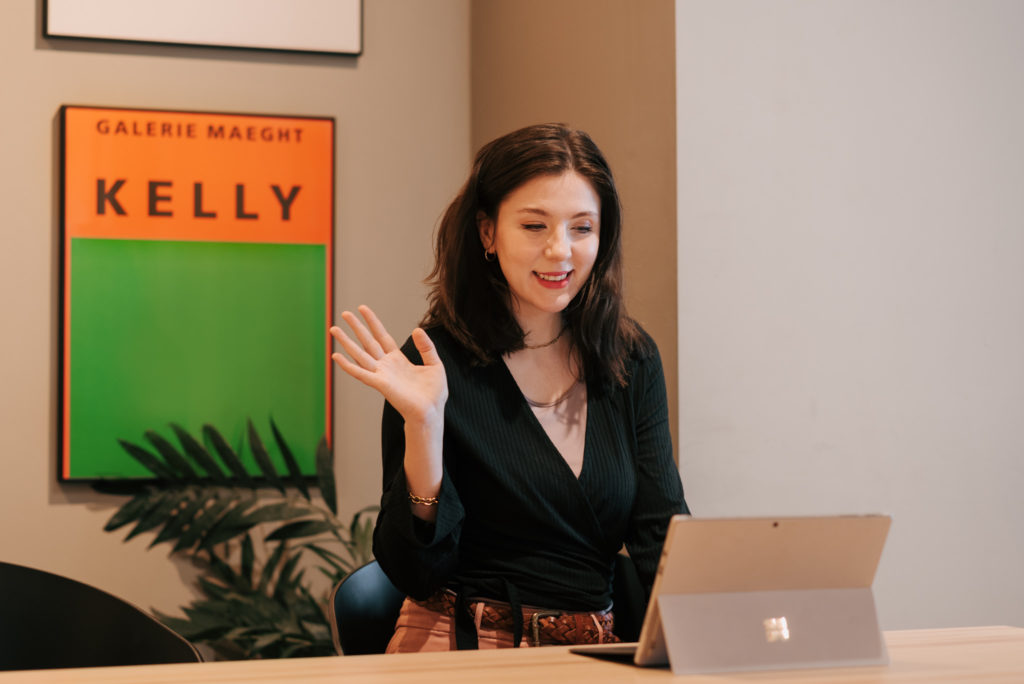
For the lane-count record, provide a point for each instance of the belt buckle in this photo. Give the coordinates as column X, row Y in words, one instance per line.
column 535, row 622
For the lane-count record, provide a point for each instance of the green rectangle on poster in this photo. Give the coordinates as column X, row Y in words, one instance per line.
column 193, row 333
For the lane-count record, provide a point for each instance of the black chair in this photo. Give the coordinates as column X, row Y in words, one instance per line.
column 49, row 621
column 364, row 606
column 629, row 601
column 363, row 610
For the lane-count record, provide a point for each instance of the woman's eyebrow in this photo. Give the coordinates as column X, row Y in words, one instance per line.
column 541, row 212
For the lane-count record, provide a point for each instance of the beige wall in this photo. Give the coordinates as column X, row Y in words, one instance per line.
column 607, row 67
column 406, row 129
column 852, row 282
column 402, row 113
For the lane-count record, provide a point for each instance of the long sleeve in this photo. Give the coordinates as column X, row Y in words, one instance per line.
column 416, row 555
column 659, row 493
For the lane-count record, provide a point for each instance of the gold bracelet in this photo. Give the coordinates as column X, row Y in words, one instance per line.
column 425, row 500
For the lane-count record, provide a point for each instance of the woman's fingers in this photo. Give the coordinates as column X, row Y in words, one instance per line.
column 357, row 372
column 366, row 338
column 358, row 353
column 380, row 333
column 425, row 346
column 369, row 354
column 364, row 368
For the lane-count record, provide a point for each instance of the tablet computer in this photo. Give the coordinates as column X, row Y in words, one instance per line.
column 734, row 594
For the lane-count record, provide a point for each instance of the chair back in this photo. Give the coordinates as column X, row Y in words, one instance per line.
column 49, row 621
column 363, row 610
column 629, row 600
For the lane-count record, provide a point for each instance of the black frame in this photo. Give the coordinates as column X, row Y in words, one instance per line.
column 101, row 39
column 130, row 484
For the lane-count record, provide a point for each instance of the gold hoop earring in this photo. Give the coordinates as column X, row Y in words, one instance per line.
column 489, row 255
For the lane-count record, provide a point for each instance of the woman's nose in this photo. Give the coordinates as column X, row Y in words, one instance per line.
column 558, row 246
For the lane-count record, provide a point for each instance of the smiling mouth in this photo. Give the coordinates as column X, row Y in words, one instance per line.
column 552, row 277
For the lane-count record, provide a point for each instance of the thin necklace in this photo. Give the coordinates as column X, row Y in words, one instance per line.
column 546, row 344
column 556, row 402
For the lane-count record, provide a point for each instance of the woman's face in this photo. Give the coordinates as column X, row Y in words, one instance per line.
column 545, row 236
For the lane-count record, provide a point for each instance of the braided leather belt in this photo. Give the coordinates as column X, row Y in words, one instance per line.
column 546, row 627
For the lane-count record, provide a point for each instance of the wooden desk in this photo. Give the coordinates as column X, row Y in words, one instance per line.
column 971, row 654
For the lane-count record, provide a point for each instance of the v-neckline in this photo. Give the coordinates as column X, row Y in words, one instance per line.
column 524, row 405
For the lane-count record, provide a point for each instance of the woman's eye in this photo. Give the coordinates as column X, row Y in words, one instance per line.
column 585, row 228
column 533, row 226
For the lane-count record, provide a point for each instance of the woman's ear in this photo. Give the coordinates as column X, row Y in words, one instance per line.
column 485, row 225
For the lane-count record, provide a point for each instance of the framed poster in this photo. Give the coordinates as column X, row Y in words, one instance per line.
column 328, row 26
column 197, row 282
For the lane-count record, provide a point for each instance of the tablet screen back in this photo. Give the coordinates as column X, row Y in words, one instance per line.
column 763, row 593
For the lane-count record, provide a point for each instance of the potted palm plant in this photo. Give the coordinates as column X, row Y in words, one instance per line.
column 256, row 540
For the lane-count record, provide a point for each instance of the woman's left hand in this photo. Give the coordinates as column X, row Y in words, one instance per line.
column 418, row 392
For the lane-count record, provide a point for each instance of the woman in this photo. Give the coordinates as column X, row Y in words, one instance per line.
column 525, row 433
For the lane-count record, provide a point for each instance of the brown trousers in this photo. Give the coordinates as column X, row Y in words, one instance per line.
column 423, row 627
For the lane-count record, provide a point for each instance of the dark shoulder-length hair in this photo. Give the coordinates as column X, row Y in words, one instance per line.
column 469, row 295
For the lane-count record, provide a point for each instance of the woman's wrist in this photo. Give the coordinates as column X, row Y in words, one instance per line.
column 423, row 500
column 427, row 426
column 423, row 465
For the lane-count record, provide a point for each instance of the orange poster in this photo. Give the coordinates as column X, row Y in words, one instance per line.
column 197, row 280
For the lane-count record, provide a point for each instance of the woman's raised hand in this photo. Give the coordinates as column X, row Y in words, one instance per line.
column 418, row 393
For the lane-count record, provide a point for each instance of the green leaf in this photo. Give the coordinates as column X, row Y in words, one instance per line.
column 248, row 560
column 177, row 523
column 357, row 522
column 233, row 524
column 360, row 544
column 223, row 532
column 302, row 528
column 278, row 511
column 149, row 461
column 269, row 567
column 295, row 585
column 259, row 452
column 340, row 565
column 188, row 628
column 223, row 571
column 172, row 456
column 132, row 510
column 199, row 454
column 202, row 523
column 241, row 501
column 158, row 514
column 332, row 576
column 213, row 590
column 297, row 650
column 229, row 527
column 320, row 633
column 201, row 625
column 267, row 640
column 297, row 478
column 325, row 475
column 239, row 632
column 285, row 581
column 227, row 455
